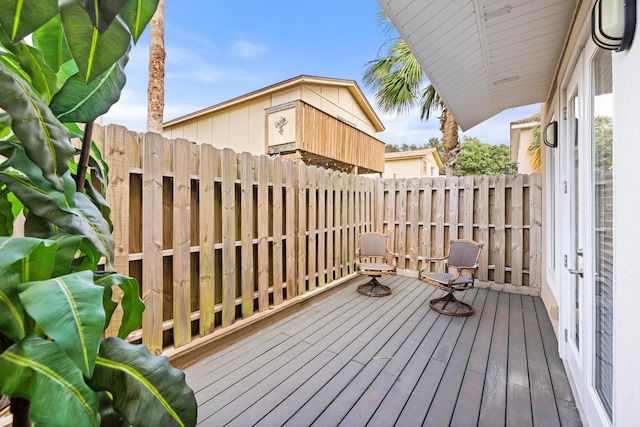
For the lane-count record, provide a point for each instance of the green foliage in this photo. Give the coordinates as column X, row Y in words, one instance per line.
column 54, row 303
column 604, row 142
column 534, row 148
column 476, row 158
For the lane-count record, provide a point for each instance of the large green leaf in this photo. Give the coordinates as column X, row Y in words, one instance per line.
column 35, row 226
column 71, row 211
column 27, row 256
column 43, row 79
column 20, row 17
column 99, row 201
column 74, row 254
column 12, row 316
column 12, row 64
column 69, row 310
column 146, row 389
column 10, row 208
column 93, row 52
column 39, row 371
column 45, row 139
column 97, row 162
column 99, row 227
column 19, row 163
column 132, row 305
column 85, row 219
column 80, row 102
column 103, row 15
column 49, row 39
column 137, row 14
column 108, row 415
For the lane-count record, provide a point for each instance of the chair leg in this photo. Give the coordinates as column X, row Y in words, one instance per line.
column 373, row 288
column 461, row 308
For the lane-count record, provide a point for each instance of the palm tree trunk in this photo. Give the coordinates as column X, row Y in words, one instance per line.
column 157, row 55
column 449, row 129
column 20, row 410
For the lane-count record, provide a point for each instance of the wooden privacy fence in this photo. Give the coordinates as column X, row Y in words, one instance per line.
column 213, row 236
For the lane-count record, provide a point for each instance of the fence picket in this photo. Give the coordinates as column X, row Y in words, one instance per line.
column 152, row 242
column 247, row 274
column 517, row 248
column 499, row 243
column 277, row 266
column 322, row 217
column 228, row 199
column 181, row 242
column 114, row 140
column 208, row 219
column 263, row 233
column 312, row 225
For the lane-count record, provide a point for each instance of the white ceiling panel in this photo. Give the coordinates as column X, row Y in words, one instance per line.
column 484, row 56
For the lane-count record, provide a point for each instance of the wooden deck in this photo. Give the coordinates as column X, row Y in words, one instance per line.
column 354, row 360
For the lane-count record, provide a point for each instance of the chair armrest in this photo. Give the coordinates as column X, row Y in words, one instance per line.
column 423, row 262
column 394, row 258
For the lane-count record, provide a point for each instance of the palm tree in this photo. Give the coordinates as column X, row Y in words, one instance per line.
column 533, row 150
column 400, row 84
column 157, row 55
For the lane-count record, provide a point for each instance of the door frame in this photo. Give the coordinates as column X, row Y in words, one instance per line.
column 580, row 361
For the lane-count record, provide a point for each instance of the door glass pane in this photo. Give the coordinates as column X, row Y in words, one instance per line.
column 575, row 217
column 603, row 229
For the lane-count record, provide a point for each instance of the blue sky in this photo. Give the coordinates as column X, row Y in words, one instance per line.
column 220, row 49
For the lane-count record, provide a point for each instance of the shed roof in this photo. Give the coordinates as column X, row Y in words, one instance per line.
column 351, row 85
column 484, row 56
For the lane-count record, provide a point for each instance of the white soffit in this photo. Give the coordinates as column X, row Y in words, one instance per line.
column 484, row 56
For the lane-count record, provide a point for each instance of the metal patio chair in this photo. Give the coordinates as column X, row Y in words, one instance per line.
column 460, row 268
column 373, row 258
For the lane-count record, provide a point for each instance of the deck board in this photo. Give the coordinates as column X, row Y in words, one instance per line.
column 354, row 360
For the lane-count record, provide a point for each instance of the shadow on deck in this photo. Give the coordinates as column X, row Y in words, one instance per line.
column 354, row 360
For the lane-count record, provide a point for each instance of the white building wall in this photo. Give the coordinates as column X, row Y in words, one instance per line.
column 626, row 178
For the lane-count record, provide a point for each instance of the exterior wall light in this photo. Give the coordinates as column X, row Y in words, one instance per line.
column 550, row 134
column 613, row 23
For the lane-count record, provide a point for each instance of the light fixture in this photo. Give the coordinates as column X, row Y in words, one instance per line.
column 550, row 134
column 613, row 23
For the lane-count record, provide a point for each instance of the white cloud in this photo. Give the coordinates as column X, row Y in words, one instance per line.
column 248, row 50
column 131, row 111
column 408, row 129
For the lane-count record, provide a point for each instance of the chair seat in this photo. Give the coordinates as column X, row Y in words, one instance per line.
column 372, row 267
column 444, row 279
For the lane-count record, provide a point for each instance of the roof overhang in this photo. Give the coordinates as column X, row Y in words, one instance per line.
column 484, row 56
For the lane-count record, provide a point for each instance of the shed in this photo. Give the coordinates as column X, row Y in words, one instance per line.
column 322, row 121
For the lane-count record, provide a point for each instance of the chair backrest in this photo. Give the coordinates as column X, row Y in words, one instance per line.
column 373, row 245
column 464, row 253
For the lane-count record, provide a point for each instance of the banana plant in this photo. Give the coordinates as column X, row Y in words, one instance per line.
column 62, row 63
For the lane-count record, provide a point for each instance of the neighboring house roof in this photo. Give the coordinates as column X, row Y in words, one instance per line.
column 484, row 56
column 351, row 85
column 401, row 155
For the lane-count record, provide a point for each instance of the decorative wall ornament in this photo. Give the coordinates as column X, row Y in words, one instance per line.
column 280, row 124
